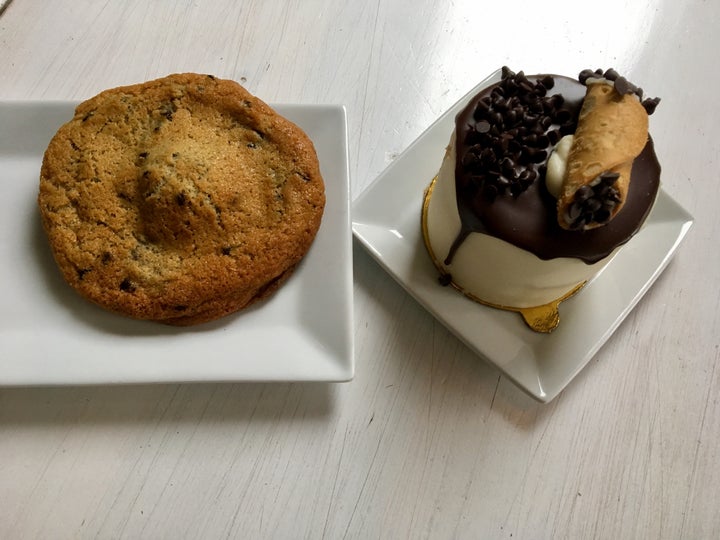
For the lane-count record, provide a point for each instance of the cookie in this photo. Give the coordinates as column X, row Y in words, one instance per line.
column 179, row 200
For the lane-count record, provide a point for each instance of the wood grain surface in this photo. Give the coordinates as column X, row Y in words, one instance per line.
column 427, row 441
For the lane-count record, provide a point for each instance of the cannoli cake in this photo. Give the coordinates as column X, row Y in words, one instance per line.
column 545, row 177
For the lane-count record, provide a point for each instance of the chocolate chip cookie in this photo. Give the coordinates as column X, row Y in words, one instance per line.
column 179, row 200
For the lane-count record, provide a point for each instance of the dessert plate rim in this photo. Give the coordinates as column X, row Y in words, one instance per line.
column 386, row 220
column 50, row 336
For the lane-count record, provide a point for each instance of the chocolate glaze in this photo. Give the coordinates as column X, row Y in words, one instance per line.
column 528, row 220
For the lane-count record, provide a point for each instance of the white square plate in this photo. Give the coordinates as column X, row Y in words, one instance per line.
column 51, row 336
column 386, row 219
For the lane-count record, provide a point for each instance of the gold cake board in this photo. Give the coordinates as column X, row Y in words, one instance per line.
column 544, row 318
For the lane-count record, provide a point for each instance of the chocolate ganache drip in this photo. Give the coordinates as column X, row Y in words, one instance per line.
column 504, row 137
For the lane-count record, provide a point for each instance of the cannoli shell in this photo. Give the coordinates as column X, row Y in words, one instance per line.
column 612, row 130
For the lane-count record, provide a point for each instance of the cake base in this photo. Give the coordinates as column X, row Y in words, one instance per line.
column 542, row 318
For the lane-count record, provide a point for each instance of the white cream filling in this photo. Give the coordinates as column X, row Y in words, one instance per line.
column 557, row 166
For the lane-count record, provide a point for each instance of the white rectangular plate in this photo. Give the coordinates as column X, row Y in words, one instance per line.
column 51, row 336
column 386, row 219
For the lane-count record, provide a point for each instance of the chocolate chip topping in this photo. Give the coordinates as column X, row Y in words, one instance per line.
column 512, row 133
column 595, row 202
column 622, row 86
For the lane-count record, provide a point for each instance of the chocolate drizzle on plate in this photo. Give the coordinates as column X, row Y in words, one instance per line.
column 504, row 137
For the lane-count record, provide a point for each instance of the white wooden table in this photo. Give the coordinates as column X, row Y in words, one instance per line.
column 428, row 441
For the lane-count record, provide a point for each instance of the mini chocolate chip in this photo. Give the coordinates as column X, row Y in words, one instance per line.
column 583, row 193
column 487, row 157
column 481, row 110
column 251, row 145
column 530, row 120
column 501, row 144
column 538, row 156
column 180, row 199
column 601, row 216
column 537, row 129
column 562, row 116
column 510, row 86
column 127, row 286
column 650, row 104
column 526, row 177
column 469, row 159
column 507, row 166
column 106, row 257
column 623, row 86
column 611, row 74
column 585, row 74
column 609, row 178
column 543, row 141
column 445, row 279
column 553, row 136
column 514, row 147
column 567, row 128
column 81, row 273
column 593, row 205
column 536, row 106
column 573, row 211
column 472, row 137
column 180, row 308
